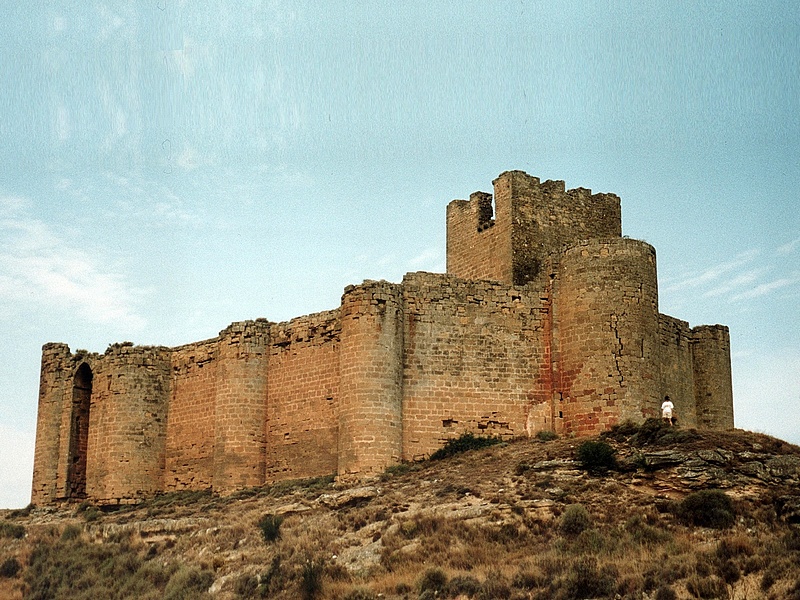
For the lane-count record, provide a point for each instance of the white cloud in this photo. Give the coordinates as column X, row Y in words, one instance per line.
column 16, row 467
column 789, row 247
column 38, row 267
column 714, row 273
column 766, row 288
column 430, row 259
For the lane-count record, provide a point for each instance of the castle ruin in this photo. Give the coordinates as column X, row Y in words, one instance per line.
column 547, row 319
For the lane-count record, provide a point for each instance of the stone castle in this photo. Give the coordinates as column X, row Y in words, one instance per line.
column 547, row 319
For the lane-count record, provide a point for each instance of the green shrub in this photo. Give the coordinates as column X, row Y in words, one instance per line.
column 463, row 443
column 433, row 579
column 9, row 568
column 665, row 593
column 596, row 456
column 270, row 526
column 11, row 530
column 545, row 435
column 585, row 580
column 71, row 532
column 311, row 579
column 574, row 520
column 707, row 508
column 462, row 585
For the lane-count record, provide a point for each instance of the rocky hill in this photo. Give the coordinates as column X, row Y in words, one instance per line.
column 646, row 512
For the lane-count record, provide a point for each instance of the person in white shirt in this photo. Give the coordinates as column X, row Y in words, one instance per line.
column 666, row 410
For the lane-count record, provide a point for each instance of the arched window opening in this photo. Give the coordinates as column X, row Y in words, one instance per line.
column 79, row 432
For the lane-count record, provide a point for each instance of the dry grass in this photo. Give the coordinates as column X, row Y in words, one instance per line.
column 491, row 524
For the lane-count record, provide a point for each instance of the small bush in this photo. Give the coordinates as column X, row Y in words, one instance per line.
column 311, row 579
column 585, row 580
column 270, row 526
column 707, row 508
column 494, row 587
column 574, row 520
column 545, row 435
column 665, row 593
column 9, row 568
column 463, row 443
column 434, row 579
column 596, row 456
column 462, row 585
column 360, row 594
column 188, row 583
column 707, row 588
column 11, row 530
column 71, row 532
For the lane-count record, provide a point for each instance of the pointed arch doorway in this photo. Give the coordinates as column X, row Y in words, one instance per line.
column 79, row 432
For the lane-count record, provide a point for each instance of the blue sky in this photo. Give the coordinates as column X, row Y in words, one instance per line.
column 168, row 168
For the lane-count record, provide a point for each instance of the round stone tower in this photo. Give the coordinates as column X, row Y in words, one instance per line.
column 371, row 371
column 605, row 334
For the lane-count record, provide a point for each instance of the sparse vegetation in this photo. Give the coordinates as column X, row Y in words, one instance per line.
column 463, row 443
column 545, row 435
column 517, row 522
column 11, row 530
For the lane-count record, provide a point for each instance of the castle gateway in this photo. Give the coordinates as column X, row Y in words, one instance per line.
column 547, row 319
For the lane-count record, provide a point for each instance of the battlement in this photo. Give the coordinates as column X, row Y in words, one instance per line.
column 530, row 220
column 547, row 319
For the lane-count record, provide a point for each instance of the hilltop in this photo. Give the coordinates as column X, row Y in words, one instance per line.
column 531, row 518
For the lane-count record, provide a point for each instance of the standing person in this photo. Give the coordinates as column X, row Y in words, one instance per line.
column 666, row 410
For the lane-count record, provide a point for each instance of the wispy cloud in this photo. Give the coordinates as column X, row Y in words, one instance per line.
column 748, row 275
column 789, row 248
column 38, row 266
column 430, row 259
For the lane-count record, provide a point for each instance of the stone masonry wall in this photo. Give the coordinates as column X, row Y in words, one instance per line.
column 473, row 350
column 190, row 426
column 711, row 350
column 240, row 406
column 677, row 370
column 302, row 423
column 479, row 246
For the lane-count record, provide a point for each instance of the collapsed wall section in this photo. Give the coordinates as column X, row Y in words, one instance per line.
column 606, row 328
column 713, row 388
column 473, row 351
column 371, row 379
column 128, row 420
column 191, row 422
column 303, row 394
column 676, row 368
column 478, row 240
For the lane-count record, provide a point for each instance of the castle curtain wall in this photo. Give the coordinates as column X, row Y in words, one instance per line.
column 192, row 414
column 302, row 422
column 472, row 356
